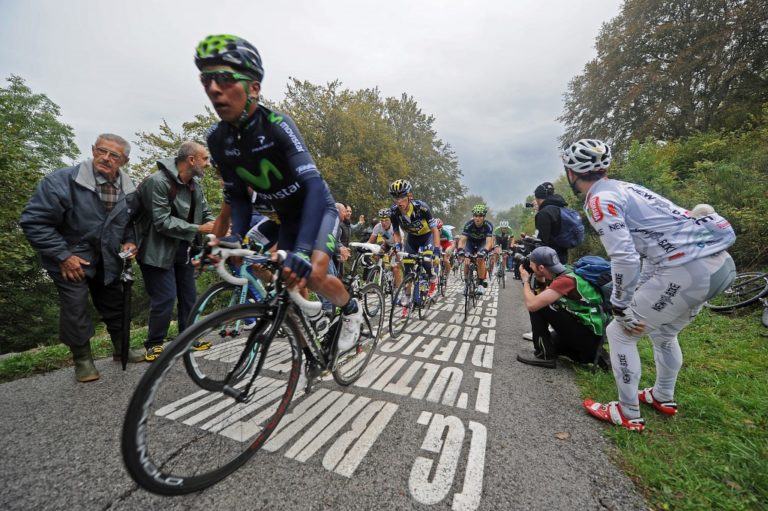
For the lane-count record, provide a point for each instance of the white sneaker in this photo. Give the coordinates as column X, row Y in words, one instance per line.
column 350, row 328
column 301, row 385
column 528, row 336
column 480, row 290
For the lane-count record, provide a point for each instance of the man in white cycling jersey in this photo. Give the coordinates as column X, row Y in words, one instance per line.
column 685, row 264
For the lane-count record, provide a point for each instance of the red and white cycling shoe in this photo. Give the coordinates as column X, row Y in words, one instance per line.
column 611, row 412
column 646, row 396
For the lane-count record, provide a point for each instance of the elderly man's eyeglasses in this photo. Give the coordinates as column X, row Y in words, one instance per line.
column 113, row 156
column 222, row 78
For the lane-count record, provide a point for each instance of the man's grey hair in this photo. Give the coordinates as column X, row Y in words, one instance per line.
column 118, row 139
column 188, row 148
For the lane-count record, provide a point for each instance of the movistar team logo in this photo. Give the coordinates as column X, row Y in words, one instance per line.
column 274, row 118
column 262, row 181
column 331, row 245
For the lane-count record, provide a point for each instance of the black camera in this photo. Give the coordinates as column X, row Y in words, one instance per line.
column 530, row 205
column 522, row 249
column 523, row 260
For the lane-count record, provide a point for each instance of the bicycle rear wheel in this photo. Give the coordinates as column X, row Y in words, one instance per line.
column 442, row 282
column 746, row 289
column 178, row 438
column 402, row 305
column 351, row 364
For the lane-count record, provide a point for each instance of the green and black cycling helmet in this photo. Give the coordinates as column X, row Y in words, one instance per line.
column 400, row 188
column 480, row 209
column 230, row 50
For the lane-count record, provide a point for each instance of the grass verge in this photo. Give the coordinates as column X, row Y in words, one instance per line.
column 48, row 358
column 714, row 453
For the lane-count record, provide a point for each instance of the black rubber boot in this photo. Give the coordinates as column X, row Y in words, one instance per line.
column 85, row 370
column 134, row 356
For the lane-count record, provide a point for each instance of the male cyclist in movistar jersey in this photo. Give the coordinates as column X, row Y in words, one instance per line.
column 685, row 264
column 415, row 219
column 256, row 147
column 503, row 239
column 477, row 240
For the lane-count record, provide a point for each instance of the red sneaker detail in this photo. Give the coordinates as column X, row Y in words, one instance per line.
column 432, row 289
column 646, row 396
column 611, row 412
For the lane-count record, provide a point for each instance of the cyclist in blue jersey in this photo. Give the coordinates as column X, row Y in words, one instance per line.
column 256, row 147
column 477, row 239
column 415, row 219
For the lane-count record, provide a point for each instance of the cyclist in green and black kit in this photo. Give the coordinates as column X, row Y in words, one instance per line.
column 503, row 239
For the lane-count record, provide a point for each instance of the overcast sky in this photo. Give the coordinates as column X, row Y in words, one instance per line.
column 492, row 73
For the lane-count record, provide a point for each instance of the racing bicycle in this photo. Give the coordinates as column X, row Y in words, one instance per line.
column 413, row 293
column 197, row 416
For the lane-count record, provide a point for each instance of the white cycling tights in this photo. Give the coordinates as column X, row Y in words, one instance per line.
column 666, row 302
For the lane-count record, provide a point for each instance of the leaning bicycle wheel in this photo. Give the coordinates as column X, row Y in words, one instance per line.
column 351, row 364
column 402, row 305
column 746, row 289
column 178, row 438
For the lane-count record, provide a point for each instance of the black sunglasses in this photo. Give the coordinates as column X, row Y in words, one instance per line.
column 222, row 78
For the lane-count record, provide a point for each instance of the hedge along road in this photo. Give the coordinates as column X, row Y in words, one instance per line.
column 443, row 418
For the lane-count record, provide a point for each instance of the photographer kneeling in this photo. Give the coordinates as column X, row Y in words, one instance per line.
column 566, row 302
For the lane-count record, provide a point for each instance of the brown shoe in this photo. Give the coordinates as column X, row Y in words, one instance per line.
column 85, row 370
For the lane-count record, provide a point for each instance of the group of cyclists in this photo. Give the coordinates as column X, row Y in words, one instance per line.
column 260, row 150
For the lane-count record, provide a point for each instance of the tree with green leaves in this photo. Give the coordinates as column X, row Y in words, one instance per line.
column 165, row 143
column 667, row 69
column 360, row 141
column 33, row 142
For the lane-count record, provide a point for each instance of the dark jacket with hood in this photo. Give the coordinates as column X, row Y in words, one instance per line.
column 548, row 224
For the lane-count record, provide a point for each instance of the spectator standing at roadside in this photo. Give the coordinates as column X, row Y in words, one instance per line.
column 548, row 217
column 79, row 220
column 686, row 263
column 171, row 222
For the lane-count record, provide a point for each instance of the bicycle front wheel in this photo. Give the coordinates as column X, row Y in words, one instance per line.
column 179, row 438
column 746, row 289
column 402, row 305
column 351, row 364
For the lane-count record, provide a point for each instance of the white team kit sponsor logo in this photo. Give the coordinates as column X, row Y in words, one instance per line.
column 288, row 131
column 283, row 193
column 441, row 364
column 301, row 169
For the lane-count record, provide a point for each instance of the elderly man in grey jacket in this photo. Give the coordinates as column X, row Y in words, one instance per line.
column 175, row 213
column 79, row 220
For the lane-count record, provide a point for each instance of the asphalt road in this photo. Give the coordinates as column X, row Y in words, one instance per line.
column 458, row 424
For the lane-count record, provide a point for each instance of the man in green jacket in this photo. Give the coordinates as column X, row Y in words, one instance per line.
column 175, row 213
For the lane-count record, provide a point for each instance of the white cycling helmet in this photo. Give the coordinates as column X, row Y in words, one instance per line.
column 504, row 224
column 587, row 155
